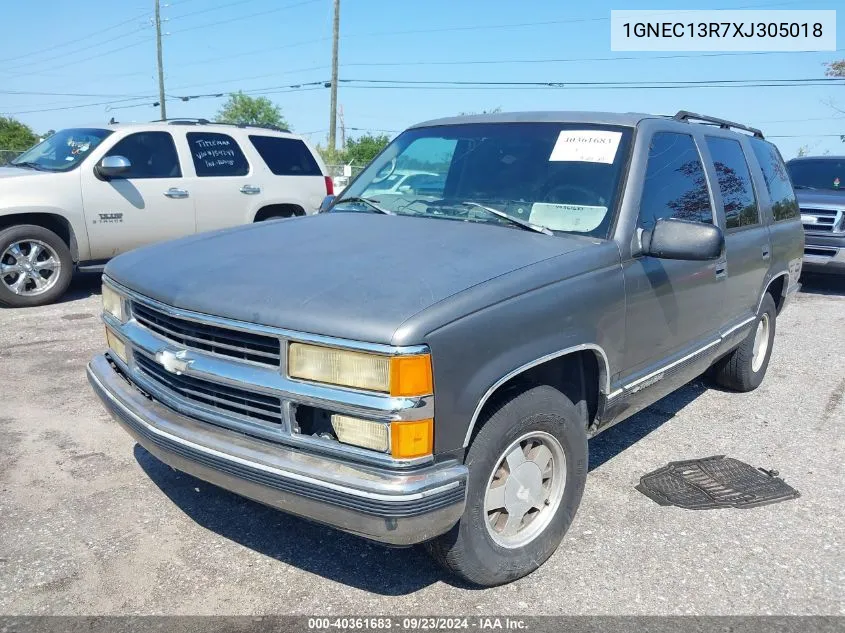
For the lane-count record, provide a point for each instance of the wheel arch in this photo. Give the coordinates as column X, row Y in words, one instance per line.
column 284, row 209
column 581, row 372
column 777, row 286
column 54, row 222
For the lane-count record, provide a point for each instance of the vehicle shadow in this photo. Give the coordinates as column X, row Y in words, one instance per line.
column 82, row 286
column 342, row 557
column 608, row 444
column 822, row 284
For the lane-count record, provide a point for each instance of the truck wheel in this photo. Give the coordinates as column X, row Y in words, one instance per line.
column 527, row 467
column 745, row 367
column 35, row 266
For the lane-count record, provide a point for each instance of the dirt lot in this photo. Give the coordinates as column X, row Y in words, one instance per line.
column 92, row 524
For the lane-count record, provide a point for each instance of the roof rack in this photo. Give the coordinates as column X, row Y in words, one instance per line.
column 686, row 117
column 195, row 121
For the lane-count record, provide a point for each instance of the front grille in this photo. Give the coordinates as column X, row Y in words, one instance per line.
column 821, row 220
column 820, row 251
column 225, row 399
column 258, row 348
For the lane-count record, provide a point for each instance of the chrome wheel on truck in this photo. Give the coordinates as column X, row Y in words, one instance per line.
column 35, row 266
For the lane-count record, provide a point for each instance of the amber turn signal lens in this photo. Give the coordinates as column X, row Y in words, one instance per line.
column 411, row 376
column 116, row 345
column 412, row 439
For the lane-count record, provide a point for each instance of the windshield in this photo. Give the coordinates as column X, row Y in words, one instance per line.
column 63, row 151
column 561, row 176
column 821, row 173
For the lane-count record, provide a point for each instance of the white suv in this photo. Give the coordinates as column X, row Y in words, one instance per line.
column 85, row 195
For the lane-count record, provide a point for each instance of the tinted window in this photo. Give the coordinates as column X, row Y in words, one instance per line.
column 675, row 185
column 784, row 204
column 216, row 155
column 734, row 182
column 150, row 154
column 286, row 156
column 818, row 173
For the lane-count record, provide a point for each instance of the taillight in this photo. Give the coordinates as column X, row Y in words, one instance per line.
column 329, row 186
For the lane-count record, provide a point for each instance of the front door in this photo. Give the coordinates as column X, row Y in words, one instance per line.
column 673, row 307
column 148, row 203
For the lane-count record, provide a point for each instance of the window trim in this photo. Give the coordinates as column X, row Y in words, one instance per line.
column 754, row 192
column 109, row 152
column 249, row 169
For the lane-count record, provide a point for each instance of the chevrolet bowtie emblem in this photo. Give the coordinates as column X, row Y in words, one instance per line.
column 174, row 362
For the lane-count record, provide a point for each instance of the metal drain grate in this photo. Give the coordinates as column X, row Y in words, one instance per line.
column 714, row 482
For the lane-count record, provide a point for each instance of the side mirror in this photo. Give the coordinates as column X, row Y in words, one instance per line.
column 112, row 166
column 680, row 239
column 326, row 203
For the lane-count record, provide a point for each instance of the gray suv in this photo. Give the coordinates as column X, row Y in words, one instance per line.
column 820, row 184
column 432, row 372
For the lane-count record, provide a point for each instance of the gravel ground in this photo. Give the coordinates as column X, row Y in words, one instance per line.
column 92, row 524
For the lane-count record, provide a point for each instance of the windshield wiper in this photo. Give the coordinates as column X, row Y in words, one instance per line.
column 29, row 164
column 803, row 187
column 373, row 204
column 528, row 226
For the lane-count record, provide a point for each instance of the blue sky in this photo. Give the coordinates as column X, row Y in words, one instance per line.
column 107, row 50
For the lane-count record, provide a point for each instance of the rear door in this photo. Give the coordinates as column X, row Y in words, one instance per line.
column 747, row 247
column 297, row 178
column 149, row 203
column 227, row 186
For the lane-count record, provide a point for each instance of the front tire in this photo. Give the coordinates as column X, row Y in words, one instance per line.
column 744, row 368
column 35, row 266
column 527, row 469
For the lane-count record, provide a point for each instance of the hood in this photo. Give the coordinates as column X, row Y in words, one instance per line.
column 809, row 197
column 349, row 275
column 12, row 172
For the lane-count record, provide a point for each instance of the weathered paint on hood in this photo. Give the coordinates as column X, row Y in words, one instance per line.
column 350, row 275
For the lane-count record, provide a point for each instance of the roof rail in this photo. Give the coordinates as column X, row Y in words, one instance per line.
column 196, row 121
column 686, row 117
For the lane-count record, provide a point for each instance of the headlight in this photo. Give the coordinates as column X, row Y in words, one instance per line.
column 116, row 345
column 113, row 303
column 404, row 440
column 405, row 376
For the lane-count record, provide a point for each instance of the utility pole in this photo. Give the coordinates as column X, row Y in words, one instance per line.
column 333, row 111
column 160, row 62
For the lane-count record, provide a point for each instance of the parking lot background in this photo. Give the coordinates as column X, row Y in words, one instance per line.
column 92, row 524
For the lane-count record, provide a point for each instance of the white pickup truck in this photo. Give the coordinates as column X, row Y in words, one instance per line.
column 85, row 195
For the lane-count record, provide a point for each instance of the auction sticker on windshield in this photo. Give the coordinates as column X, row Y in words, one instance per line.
column 586, row 146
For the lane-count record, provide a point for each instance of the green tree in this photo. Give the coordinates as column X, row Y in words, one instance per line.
column 361, row 150
column 16, row 135
column 245, row 110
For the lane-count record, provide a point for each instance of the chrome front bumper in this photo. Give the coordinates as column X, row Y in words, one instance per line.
column 393, row 506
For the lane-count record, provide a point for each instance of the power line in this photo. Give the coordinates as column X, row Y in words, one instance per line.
column 246, row 17
column 77, row 39
column 577, row 59
column 85, row 59
column 228, row 5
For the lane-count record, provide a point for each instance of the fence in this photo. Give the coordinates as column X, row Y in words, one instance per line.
column 7, row 155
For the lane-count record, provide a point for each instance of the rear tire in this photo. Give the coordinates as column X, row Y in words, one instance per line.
column 744, row 368
column 481, row 548
column 35, row 266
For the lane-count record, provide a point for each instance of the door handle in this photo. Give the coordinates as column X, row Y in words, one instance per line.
column 766, row 253
column 173, row 192
column 721, row 270
column 250, row 189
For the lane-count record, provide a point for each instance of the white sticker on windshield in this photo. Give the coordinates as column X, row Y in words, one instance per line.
column 586, row 146
column 567, row 217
